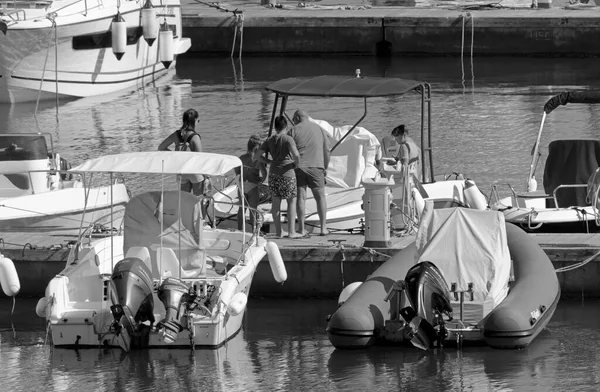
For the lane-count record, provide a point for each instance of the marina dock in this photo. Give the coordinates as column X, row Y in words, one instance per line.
column 318, row 266
column 353, row 28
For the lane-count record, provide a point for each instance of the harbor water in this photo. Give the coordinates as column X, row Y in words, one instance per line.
column 283, row 346
column 485, row 116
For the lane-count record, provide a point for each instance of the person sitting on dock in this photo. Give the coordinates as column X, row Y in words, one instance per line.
column 311, row 172
column 255, row 173
column 282, row 178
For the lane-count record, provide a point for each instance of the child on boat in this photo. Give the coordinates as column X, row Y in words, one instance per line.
column 255, row 173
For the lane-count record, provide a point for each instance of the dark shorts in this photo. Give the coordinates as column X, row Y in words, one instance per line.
column 282, row 187
column 313, row 177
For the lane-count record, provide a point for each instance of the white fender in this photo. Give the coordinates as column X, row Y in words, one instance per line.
column 474, row 197
column 237, row 304
column 347, row 292
column 419, row 202
column 119, row 36
column 165, row 46
column 276, row 262
column 149, row 23
column 40, row 308
column 9, row 280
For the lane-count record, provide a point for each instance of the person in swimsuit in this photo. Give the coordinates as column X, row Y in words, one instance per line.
column 282, row 178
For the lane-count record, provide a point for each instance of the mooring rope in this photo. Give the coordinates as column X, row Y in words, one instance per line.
column 238, row 26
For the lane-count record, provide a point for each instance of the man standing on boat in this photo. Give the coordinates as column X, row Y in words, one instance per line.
column 311, row 172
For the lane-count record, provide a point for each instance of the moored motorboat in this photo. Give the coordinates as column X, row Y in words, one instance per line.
column 568, row 201
column 454, row 285
column 62, row 48
column 38, row 195
column 165, row 278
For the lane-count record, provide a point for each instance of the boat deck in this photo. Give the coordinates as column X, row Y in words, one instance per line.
column 317, row 266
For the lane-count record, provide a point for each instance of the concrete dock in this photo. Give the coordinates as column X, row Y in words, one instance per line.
column 444, row 28
column 318, row 266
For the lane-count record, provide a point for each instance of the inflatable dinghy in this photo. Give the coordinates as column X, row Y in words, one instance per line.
column 469, row 278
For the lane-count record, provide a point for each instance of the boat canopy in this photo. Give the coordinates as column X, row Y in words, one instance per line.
column 570, row 162
column 162, row 162
column 590, row 96
column 343, row 86
column 470, row 248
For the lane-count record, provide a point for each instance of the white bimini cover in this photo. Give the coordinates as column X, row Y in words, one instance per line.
column 353, row 158
column 468, row 246
column 162, row 162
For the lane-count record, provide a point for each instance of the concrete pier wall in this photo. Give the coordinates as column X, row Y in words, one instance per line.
column 314, row 272
column 397, row 31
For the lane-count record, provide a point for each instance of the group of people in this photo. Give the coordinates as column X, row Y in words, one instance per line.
column 297, row 155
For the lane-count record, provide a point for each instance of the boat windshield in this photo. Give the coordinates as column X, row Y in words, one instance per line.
column 23, row 148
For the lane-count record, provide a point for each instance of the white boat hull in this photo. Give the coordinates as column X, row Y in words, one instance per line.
column 534, row 218
column 78, row 307
column 344, row 210
column 42, row 60
column 60, row 211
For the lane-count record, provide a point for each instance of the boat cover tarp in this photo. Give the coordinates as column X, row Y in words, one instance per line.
column 590, row 96
column 178, row 232
column 353, row 158
column 343, row 86
column 162, row 162
column 468, row 246
column 571, row 162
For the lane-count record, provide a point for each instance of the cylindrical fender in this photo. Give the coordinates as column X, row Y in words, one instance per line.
column 165, row 46
column 119, row 36
column 474, row 197
column 9, row 280
column 276, row 262
column 40, row 308
column 149, row 23
column 237, row 304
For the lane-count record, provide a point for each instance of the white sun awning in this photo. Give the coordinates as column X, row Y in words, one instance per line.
column 161, row 162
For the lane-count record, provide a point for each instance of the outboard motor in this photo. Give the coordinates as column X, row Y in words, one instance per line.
column 172, row 292
column 429, row 297
column 132, row 299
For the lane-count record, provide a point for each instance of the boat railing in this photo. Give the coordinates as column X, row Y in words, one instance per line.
column 105, row 226
column 494, row 194
column 68, row 177
column 14, row 14
column 565, row 186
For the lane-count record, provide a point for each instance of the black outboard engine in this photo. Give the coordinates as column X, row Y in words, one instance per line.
column 429, row 298
column 132, row 299
column 172, row 293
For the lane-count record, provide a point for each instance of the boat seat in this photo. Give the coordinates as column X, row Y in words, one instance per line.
column 170, row 264
column 140, row 252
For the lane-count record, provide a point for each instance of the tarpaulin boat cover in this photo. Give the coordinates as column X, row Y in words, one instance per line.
column 468, row 246
column 179, row 231
column 571, row 162
column 353, row 158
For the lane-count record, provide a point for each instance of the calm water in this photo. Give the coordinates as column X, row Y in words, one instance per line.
column 283, row 347
column 485, row 120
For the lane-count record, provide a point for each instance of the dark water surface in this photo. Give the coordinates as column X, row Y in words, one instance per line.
column 485, row 119
column 283, row 347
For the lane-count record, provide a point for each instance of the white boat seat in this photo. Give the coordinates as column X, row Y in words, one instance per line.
column 170, row 264
column 140, row 252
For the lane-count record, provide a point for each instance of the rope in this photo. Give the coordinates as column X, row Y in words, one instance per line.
column 239, row 25
column 51, row 19
column 578, row 265
column 465, row 17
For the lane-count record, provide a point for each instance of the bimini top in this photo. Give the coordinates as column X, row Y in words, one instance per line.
column 590, row 96
column 162, row 162
column 343, row 86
